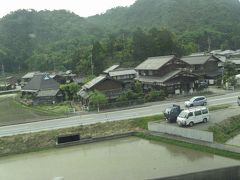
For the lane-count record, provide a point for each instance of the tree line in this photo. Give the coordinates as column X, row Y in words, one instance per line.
column 61, row 40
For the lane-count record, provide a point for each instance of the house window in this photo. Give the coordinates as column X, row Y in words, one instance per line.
column 150, row 73
column 198, row 67
column 143, row 73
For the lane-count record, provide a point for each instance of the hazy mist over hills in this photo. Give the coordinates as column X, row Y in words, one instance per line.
column 62, row 39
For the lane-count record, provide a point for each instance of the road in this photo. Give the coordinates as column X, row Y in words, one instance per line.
column 106, row 116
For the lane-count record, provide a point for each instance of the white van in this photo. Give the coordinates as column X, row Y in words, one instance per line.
column 192, row 116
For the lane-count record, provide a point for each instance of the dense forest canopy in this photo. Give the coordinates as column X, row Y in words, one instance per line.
column 61, row 40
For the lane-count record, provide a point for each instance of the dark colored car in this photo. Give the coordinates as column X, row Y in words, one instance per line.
column 172, row 113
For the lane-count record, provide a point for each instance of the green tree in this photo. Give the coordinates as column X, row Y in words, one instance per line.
column 229, row 73
column 97, row 99
column 70, row 90
column 98, row 58
column 154, row 95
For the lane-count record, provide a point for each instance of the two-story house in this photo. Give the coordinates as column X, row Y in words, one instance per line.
column 125, row 75
column 110, row 87
column 209, row 67
column 168, row 73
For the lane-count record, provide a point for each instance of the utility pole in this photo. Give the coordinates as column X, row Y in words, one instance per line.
column 91, row 56
column 19, row 68
column 3, row 74
column 209, row 44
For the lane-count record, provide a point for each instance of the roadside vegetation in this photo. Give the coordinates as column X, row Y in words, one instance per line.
column 57, row 109
column 30, row 142
column 24, row 143
column 219, row 107
column 226, row 129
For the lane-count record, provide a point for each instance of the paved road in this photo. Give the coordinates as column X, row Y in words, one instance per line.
column 104, row 117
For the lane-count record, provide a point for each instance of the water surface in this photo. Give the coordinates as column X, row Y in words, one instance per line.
column 128, row 158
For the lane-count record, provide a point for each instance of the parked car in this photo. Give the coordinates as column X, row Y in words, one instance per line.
column 196, row 101
column 172, row 113
column 238, row 100
column 203, row 84
column 189, row 117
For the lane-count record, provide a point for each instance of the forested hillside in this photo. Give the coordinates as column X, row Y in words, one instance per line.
column 175, row 15
column 60, row 40
column 28, row 37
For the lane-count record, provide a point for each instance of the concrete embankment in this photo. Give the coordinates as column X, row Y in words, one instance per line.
column 216, row 174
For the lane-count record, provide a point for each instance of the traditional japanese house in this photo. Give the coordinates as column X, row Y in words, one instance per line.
column 13, row 81
column 110, row 87
column 167, row 73
column 236, row 61
column 42, row 89
column 209, row 67
column 125, row 75
column 27, row 77
column 63, row 77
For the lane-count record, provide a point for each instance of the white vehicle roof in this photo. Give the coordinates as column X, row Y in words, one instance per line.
column 193, row 109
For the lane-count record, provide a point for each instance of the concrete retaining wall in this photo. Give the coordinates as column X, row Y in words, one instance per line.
column 179, row 131
column 229, row 173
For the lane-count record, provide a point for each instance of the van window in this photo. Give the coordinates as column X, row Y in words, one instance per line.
column 198, row 113
column 190, row 114
column 205, row 111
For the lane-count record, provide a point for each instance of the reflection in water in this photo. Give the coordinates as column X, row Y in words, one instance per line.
column 179, row 151
column 128, row 158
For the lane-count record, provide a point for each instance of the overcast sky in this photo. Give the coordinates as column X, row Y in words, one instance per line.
column 83, row 8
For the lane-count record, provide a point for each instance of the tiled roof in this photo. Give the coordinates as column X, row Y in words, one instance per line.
column 83, row 94
column 162, row 79
column 122, row 72
column 30, row 75
column 41, row 82
column 154, row 63
column 111, row 68
column 235, row 61
column 194, row 60
column 46, row 93
column 93, row 82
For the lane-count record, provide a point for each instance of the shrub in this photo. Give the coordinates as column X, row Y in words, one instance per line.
column 154, row 95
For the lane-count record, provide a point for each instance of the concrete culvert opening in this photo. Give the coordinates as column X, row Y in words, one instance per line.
column 68, row 138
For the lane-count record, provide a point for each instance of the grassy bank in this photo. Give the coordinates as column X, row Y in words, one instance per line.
column 219, row 107
column 226, row 129
column 189, row 145
column 47, row 139
column 57, row 109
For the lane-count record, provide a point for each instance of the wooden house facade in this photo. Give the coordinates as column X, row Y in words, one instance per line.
column 125, row 75
column 167, row 73
column 209, row 67
column 110, row 87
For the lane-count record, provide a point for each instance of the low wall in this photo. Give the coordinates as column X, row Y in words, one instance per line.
column 229, row 173
column 179, row 131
